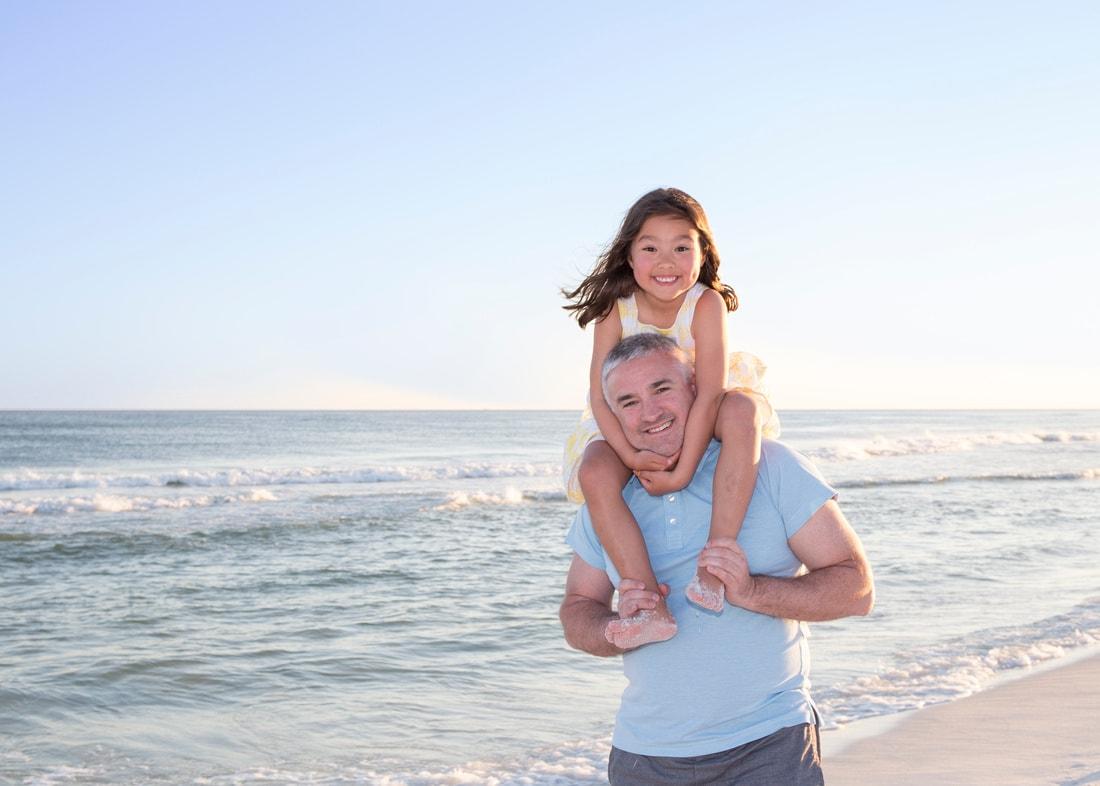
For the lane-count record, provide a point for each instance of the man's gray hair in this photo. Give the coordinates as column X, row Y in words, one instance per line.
column 641, row 345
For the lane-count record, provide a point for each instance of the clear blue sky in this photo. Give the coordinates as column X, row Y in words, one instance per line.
column 356, row 204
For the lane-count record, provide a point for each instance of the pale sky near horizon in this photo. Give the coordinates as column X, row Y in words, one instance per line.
column 368, row 205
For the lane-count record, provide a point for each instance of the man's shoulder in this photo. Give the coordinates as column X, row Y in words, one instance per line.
column 778, row 452
column 788, row 475
column 775, row 458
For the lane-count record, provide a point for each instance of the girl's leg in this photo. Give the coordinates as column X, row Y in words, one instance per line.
column 738, row 427
column 602, row 476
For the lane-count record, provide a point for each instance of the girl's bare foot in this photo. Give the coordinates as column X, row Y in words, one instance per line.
column 706, row 591
column 645, row 627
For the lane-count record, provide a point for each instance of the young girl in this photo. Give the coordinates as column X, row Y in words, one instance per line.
column 661, row 275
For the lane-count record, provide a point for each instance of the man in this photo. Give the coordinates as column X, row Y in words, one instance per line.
column 726, row 700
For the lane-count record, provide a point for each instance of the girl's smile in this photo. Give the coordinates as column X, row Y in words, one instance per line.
column 666, row 258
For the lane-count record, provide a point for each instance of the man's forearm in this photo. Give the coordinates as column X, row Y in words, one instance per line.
column 584, row 621
column 829, row 593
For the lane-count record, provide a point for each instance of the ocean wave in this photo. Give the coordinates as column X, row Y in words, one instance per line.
column 115, row 503
column 28, row 479
column 960, row 667
column 510, row 496
column 582, row 763
column 878, row 447
column 1008, row 477
column 463, row 499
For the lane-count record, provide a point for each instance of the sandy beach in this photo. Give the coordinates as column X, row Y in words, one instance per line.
column 1035, row 730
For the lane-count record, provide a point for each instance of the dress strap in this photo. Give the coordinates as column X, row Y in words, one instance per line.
column 681, row 328
column 691, row 300
column 628, row 315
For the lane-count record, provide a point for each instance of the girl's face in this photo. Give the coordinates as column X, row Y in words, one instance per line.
column 666, row 257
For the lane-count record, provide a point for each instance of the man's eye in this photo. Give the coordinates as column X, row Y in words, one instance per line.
column 663, row 389
column 628, row 404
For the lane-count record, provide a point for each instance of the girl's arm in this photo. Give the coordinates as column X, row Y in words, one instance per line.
column 708, row 326
column 607, row 333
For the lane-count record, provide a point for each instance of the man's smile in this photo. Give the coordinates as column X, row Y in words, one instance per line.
column 660, row 427
column 652, row 395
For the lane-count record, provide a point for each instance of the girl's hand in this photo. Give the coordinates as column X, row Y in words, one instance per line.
column 658, row 483
column 725, row 560
column 634, row 597
column 647, row 460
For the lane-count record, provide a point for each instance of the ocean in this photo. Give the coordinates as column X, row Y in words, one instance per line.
column 371, row 597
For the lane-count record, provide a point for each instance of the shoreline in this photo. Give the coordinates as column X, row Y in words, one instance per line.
column 1028, row 728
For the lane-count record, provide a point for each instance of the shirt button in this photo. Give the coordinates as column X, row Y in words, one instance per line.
column 672, row 520
column 671, row 497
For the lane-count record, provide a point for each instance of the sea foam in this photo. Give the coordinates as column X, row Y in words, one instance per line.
column 1003, row 477
column 462, row 499
column 510, row 496
column 27, row 479
column 117, row 503
column 929, row 442
column 580, row 763
column 960, row 667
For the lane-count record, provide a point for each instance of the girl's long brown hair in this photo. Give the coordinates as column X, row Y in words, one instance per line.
column 613, row 278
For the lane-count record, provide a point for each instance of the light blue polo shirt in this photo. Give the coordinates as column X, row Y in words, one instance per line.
column 724, row 679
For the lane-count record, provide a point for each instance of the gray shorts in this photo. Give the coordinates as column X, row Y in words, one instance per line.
column 790, row 756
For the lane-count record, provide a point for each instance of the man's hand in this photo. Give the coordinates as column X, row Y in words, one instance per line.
column 634, row 597
column 838, row 581
column 648, row 461
column 725, row 560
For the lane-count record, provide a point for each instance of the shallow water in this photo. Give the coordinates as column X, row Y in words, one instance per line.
column 371, row 597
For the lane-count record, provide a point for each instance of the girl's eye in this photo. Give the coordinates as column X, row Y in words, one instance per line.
column 682, row 249
column 650, row 249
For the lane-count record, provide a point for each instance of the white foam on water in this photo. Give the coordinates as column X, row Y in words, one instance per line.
column 960, row 667
column 581, row 763
column 929, row 442
column 29, row 479
column 65, row 774
column 1005, row 477
column 117, row 503
column 463, row 499
column 842, row 450
column 458, row 500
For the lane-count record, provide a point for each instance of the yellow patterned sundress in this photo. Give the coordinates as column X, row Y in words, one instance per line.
column 746, row 373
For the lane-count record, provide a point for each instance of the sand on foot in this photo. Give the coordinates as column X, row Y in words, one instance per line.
column 706, row 591
column 645, row 627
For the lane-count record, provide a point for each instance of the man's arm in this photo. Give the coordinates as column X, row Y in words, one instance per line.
column 586, row 609
column 838, row 582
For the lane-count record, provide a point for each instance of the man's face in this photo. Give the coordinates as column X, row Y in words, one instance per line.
column 651, row 398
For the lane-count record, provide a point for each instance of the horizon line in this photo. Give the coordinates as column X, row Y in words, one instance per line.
column 10, row 410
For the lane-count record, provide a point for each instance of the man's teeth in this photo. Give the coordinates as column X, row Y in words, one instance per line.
column 660, row 428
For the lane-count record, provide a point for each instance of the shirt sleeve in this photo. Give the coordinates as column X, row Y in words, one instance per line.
column 582, row 537
column 794, row 483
